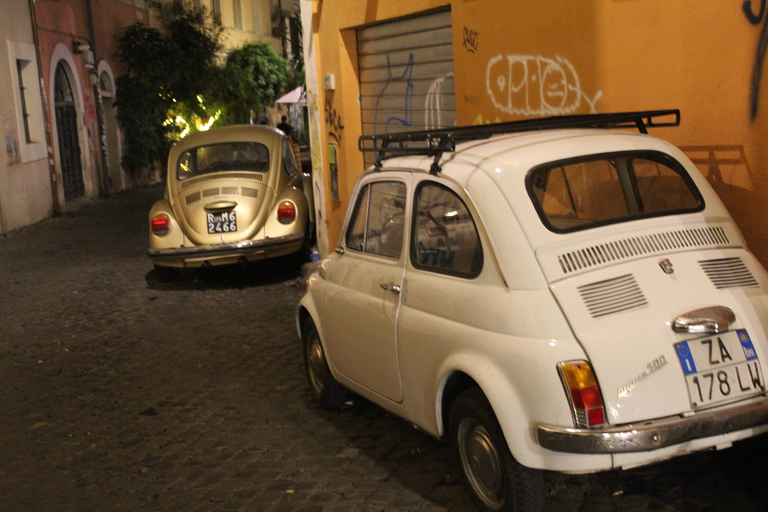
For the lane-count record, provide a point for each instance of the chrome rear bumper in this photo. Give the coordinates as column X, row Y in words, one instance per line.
column 216, row 251
column 657, row 434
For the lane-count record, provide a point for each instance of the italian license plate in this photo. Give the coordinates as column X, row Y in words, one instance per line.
column 720, row 368
column 224, row 222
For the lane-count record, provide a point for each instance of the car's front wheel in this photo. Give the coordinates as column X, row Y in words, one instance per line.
column 328, row 393
column 496, row 479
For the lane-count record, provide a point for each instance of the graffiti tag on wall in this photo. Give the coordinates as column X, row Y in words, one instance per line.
column 11, row 139
column 395, row 100
column 313, row 110
column 471, row 40
column 762, row 46
column 535, row 85
column 333, row 120
column 433, row 105
column 401, row 86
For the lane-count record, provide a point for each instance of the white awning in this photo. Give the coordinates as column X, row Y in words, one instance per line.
column 296, row 96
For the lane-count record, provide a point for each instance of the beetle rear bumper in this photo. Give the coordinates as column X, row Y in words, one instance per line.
column 655, row 435
column 197, row 254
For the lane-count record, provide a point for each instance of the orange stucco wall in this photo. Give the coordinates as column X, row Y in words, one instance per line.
column 517, row 59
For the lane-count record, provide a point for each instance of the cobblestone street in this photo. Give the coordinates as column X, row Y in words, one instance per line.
column 122, row 393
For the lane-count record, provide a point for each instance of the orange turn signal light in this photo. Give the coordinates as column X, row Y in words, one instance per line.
column 161, row 224
column 583, row 393
column 286, row 212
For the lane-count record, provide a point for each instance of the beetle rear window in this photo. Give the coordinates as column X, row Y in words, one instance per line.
column 603, row 189
column 229, row 156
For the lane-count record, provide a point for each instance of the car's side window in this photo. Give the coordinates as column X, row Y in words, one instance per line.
column 377, row 222
column 356, row 231
column 445, row 237
column 289, row 160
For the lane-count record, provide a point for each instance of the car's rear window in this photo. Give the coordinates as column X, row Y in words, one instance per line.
column 228, row 156
column 602, row 189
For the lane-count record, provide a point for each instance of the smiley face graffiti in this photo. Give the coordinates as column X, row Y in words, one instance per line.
column 535, row 85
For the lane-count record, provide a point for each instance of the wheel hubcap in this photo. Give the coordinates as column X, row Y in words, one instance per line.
column 482, row 463
column 315, row 363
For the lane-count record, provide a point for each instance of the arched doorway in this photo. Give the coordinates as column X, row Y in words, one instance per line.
column 107, row 89
column 66, row 127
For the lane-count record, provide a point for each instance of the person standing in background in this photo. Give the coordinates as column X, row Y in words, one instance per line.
column 284, row 126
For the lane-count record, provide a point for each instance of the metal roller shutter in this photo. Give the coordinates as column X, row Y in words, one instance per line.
column 406, row 75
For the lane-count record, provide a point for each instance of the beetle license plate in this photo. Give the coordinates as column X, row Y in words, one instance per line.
column 720, row 368
column 224, row 222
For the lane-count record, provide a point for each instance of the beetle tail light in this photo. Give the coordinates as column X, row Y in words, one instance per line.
column 161, row 224
column 583, row 393
column 286, row 212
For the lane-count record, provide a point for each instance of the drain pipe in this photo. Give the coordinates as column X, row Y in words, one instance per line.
column 48, row 137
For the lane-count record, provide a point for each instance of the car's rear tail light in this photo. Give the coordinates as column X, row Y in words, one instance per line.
column 583, row 394
column 161, row 224
column 286, row 212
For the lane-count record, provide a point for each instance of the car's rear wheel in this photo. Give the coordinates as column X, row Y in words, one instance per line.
column 328, row 393
column 497, row 481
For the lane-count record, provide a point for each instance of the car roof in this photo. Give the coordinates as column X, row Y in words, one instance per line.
column 505, row 161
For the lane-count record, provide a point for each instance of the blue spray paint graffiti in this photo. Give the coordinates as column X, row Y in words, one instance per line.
column 405, row 79
column 762, row 46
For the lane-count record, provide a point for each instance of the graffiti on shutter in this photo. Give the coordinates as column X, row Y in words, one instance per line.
column 406, row 75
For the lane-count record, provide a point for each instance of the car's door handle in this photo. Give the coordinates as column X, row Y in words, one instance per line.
column 391, row 288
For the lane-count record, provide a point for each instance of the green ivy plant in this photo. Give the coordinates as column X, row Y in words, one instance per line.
column 255, row 76
column 176, row 76
column 166, row 73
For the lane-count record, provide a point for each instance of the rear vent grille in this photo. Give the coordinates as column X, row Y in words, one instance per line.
column 209, row 192
column 728, row 273
column 640, row 246
column 254, row 176
column 191, row 198
column 250, row 192
column 612, row 296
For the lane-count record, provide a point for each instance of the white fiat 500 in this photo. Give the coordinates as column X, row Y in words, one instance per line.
column 560, row 297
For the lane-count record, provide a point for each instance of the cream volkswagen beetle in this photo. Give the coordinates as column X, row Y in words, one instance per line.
column 233, row 194
column 562, row 297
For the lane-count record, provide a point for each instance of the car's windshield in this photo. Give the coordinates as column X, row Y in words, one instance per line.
column 229, row 156
column 603, row 189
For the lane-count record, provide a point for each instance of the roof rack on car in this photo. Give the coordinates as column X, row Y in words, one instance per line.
column 436, row 142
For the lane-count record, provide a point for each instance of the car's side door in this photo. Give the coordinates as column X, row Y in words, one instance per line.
column 363, row 296
column 450, row 287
